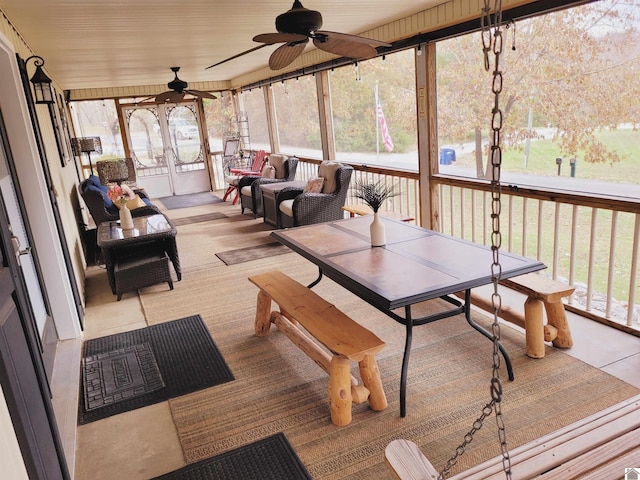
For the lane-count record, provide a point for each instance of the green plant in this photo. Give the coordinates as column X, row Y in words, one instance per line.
column 373, row 194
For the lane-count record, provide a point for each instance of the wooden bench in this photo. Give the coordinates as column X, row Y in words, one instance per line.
column 342, row 336
column 597, row 447
column 540, row 291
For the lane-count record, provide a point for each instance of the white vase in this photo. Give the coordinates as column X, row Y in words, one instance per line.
column 126, row 221
column 378, row 234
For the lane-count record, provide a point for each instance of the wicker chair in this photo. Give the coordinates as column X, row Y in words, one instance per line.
column 249, row 186
column 295, row 208
column 102, row 209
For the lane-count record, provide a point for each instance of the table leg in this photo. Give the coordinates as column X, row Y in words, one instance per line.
column 405, row 361
column 467, row 314
column 317, row 280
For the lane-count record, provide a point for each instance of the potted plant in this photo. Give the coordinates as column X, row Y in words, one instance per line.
column 374, row 195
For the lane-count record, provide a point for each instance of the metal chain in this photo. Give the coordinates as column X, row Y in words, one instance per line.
column 492, row 42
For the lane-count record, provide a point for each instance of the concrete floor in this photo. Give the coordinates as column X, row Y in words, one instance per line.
column 151, row 445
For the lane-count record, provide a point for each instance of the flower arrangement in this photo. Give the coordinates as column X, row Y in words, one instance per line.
column 373, row 194
column 120, row 194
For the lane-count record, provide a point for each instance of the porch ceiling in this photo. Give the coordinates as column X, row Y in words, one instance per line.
column 98, row 43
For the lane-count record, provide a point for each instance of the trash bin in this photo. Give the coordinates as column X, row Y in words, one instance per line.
column 447, row 155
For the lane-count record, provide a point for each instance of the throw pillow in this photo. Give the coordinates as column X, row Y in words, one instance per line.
column 269, row 172
column 328, row 170
column 135, row 202
column 314, row 185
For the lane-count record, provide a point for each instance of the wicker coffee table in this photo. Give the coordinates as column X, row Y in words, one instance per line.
column 150, row 234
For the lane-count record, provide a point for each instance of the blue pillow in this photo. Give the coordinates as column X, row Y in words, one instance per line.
column 94, row 180
column 107, row 201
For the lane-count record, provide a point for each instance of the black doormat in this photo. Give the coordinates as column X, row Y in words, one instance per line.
column 207, row 217
column 271, row 458
column 119, row 375
column 241, row 255
column 190, row 200
column 186, row 355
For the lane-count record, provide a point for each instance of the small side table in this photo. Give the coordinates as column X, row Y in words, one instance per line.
column 270, row 193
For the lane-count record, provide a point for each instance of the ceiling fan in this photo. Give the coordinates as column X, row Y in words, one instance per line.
column 178, row 90
column 296, row 26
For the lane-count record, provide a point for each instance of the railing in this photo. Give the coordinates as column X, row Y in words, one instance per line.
column 589, row 241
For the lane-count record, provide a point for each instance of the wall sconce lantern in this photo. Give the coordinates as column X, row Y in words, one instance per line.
column 41, row 83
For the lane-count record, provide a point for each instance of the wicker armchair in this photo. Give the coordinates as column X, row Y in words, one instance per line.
column 249, row 186
column 295, row 208
column 102, row 209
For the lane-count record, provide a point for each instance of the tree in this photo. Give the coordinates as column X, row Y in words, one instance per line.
column 568, row 68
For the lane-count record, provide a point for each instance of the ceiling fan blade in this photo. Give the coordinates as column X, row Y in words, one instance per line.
column 351, row 38
column 285, row 54
column 170, row 97
column 238, row 55
column 271, row 38
column 200, row 93
column 345, row 48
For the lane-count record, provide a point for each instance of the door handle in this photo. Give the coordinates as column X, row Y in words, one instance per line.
column 15, row 241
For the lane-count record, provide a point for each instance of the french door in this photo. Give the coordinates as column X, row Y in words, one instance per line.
column 166, row 144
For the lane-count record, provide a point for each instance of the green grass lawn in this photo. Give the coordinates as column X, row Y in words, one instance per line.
column 542, row 155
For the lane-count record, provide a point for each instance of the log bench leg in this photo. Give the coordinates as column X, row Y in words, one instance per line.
column 340, row 391
column 557, row 317
column 534, row 328
column 263, row 314
column 370, row 375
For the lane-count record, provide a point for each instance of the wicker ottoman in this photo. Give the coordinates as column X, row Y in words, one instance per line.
column 141, row 271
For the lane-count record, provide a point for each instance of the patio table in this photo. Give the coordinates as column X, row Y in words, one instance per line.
column 151, row 232
column 415, row 265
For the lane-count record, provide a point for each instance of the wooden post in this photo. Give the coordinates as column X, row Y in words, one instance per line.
column 263, row 314
column 340, row 391
column 534, row 328
column 557, row 317
column 370, row 375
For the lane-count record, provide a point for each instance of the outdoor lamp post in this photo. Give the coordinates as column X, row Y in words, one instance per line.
column 41, row 82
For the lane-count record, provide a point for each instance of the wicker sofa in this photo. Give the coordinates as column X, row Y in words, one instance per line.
column 102, row 209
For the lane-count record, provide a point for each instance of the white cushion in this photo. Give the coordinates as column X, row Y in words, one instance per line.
column 277, row 161
column 232, row 179
column 246, row 190
column 286, row 207
column 327, row 170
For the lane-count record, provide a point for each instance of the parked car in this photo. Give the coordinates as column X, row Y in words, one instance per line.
column 182, row 129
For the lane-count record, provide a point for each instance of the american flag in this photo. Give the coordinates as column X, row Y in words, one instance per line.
column 386, row 138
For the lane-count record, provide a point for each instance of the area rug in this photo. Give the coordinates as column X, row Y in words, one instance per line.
column 187, row 359
column 279, row 389
column 190, row 200
column 271, row 458
column 247, row 254
column 206, row 217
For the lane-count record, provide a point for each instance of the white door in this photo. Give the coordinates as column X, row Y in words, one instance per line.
column 165, row 142
column 20, row 240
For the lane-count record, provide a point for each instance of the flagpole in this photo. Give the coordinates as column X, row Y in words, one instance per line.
column 377, row 123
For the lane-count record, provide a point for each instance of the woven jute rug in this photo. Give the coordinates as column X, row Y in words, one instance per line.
column 279, row 389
